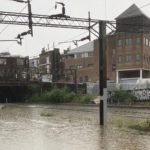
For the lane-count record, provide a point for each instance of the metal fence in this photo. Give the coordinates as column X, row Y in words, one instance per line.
column 140, row 90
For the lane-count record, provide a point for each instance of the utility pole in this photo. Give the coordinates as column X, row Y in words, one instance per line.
column 89, row 15
column 64, row 21
column 29, row 16
column 102, row 72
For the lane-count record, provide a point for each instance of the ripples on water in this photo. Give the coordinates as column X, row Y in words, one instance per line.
column 23, row 128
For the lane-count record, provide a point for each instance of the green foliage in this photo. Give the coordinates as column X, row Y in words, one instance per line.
column 45, row 114
column 34, row 88
column 142, row 126
column 84, row 99
column 121, row 96
column 60, row 96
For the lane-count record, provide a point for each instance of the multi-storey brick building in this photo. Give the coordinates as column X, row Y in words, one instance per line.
column 50, row 66
column 129, row 47
column 13, row 68
column 128, row 51
column 34, row 69
column 84, row 60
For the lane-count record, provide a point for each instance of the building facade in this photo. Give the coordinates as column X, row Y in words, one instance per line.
column 13, row 68
column 34, row 69
column 83, row 61
column 50, row 66
column 128, row 51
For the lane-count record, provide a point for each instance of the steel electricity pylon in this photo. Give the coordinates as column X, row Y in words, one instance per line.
column 64, row 21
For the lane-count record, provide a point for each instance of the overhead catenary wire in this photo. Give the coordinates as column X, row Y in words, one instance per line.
column 141, row 7
column 10, row 45
column 18, row 17
column 14, row 19
column 72, row 38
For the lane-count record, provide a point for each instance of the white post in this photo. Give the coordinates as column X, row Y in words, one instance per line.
column 105, row 106
column 117, row 77
column 6, row 100
column 141, row 73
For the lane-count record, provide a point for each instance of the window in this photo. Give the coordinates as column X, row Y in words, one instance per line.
column 113, row 66
column 84, row 55
column 128, row 58
column 120, row 59
column 119, row 42
column 71, row 66
column 90, row 65
column 2, row 61
column 90, row 54
column 86, row 79
column 79, row 66
column 147, row 42
column 78, row 55
column 144, row 57
column 113, row 51
column 81, row 79
column 128, row 41
column 47, row 60
column 20, row 61
column 137, row 57
column 138, row 40
column 87, row 54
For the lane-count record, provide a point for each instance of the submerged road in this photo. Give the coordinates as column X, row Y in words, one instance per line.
column 23, row 127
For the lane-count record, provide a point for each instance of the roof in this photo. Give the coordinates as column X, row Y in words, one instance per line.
column 132, row 11
column 89, row 47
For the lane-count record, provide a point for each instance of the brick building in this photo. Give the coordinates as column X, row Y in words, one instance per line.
column 34, row 69
column 50, row 65
column 13, row 68
column 84, row 60
column 128, row 51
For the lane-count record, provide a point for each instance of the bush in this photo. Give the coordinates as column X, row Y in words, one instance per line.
column 120, row 96
column 84, row 99
column 60, row 96
column 33, row 88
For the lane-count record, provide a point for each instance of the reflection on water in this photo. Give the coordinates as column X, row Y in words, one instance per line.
column 23, row 128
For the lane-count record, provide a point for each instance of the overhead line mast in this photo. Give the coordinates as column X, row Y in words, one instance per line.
column 64, row 21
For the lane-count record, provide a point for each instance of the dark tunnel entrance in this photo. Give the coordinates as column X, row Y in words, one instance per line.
column 13, row 94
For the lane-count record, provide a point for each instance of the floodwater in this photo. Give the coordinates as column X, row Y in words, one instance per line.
column 22, row 127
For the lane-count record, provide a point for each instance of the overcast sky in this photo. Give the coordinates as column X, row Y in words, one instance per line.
column 100, row 9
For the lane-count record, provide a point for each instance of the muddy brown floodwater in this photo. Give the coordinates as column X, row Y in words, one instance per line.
column 60, row 127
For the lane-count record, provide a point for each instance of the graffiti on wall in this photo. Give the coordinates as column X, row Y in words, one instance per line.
column 142, row 94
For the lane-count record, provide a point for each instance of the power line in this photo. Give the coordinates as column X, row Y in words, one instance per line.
column 10, row 45
column 145, row 5
column 14, row 20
